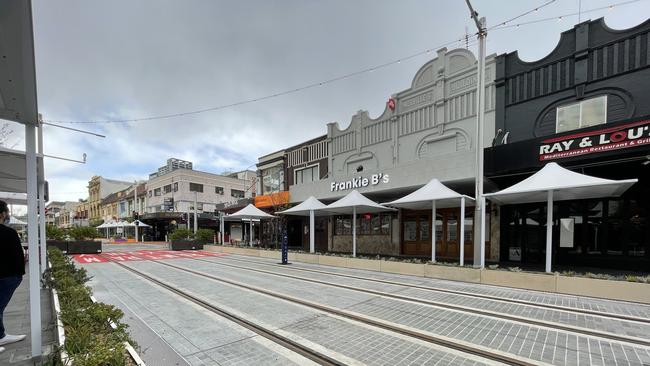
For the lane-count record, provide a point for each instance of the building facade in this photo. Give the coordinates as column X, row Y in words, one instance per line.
column 425, row 132
column 98, row 189
column 172, row 164
column 586, row 106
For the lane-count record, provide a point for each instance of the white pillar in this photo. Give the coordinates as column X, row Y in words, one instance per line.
column 354, row 231
column 250, row 234
column 549, row 230
column 479, row 212
column 136, row 233
column 41, row 207
column 312, row 237
column 222, row 229
column 433, row 231
column 32, row 233
column 462, row 231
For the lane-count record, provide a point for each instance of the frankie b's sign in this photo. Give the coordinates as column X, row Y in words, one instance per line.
column 360, row 182
column 607, row 139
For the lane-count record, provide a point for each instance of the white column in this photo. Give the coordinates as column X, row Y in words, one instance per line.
column 433, row 231
column 312, row 245
column 222, row 229
column 479, row 212
column 354, row 231
column 462, row 231
column 136, row 233
column 250, row 234
column 41, row 206
column 549, row 230
column 32, row 233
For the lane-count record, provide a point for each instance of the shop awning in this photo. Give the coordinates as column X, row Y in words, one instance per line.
column 431, row 196
column 554, row 182
column 309, row 207
column 565, row 184
column 354, row 203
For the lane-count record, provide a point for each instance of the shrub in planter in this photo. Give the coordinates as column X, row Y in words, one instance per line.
column 181, row 234
column 204, row 236
column 83, row 233
column 90, row 341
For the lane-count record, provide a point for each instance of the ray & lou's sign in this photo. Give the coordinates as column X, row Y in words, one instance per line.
column 607, row 139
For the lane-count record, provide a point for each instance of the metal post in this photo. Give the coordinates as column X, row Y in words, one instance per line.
column 462, row 231
column 482, row 246
column 223, row 228
column 354, row 231
column 250, row 233
column 32, row 233
column 196, row 223
column 549, row 230
column 41, row 206
column 312, row 245
column 135, row 205
column 433, row 231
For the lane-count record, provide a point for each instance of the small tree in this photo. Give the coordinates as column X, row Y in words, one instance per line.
column 54, row 233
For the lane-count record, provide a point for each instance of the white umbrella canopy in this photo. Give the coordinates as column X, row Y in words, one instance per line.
column 423, row 198
column 305, row 207
column 565, row 184
column 17, row 222
column 140, row 223
column 308, row 207
column 250, row 212
column 554, row 182
column 354, row 203
column 431, row 196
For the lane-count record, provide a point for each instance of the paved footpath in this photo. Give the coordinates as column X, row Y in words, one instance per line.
column 527, row 330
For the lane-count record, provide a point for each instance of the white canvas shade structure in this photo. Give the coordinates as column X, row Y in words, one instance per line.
column 554, row 182
column 250, row 213
column 354, row 203
column 435, row 195
column 309, row 207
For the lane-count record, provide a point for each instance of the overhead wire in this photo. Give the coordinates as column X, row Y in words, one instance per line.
column 500, row 25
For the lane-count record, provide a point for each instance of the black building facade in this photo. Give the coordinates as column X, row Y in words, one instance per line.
column 585, row 106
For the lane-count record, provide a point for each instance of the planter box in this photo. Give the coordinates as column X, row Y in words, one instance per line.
column 453, row 273
column 368, row 264
column 327, row 260
column 62, row 245
column 402, row 268
column 524, row 280
column 618, row 290
column 186, row 245
column 84, row 247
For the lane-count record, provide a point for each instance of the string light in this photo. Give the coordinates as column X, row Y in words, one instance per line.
column 500, row 25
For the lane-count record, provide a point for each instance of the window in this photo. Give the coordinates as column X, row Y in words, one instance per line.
column 150, row 193
column 156, row 192
column 367, row 224
column 167, row 188
column 195, row 187
column 586, row 113
column 307, row 175
column 237, row 193
column 272, row 180
column 176, row 187
column 218, row 190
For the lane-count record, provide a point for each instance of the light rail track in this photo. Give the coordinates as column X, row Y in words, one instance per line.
column 456, row 292
column 439, row 304
column 283, row 341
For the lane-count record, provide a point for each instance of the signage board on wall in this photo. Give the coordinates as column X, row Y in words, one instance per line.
column 607, row 139
column 360, row 182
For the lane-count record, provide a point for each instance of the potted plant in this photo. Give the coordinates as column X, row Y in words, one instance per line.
column 56, row 237
column 183, row 239
column 83, row 240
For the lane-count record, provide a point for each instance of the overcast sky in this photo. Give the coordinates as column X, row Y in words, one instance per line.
column 118, row 59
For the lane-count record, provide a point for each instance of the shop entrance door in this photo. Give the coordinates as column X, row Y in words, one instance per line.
column 416, row 233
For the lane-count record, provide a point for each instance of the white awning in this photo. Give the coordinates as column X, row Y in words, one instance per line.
column 16, row 222
column 423, row 198
column 13, row 175
column 250, row 212
column 140, row 223
column 305, row 208
column 355, row 202
column 565, row 184
column 14, row 198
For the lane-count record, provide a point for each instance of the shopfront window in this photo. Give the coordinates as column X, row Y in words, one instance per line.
column 425, row 229
column 367, row 224
column 452, row 228
column 410, row 230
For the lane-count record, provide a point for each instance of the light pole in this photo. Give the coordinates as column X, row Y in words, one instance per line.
column 195, row 214
column 135, row 205
column 479, row 207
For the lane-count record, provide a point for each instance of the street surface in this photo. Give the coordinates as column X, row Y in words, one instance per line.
column 352, row 316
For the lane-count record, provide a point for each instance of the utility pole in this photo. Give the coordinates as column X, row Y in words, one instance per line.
column 479, row 206
column 135, row 204
column 195, row 220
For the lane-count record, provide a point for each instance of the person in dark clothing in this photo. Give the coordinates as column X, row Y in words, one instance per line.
column 12, row 270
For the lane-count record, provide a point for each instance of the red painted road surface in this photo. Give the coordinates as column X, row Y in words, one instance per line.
column 142, row 255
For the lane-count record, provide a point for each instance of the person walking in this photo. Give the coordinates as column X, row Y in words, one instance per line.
column 12, row 270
